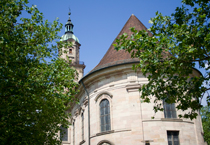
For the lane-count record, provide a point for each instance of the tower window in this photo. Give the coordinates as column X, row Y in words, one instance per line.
column 64, row 133
column 105, row 115
column 169, row 110
column 173, row 137
column 70, row 51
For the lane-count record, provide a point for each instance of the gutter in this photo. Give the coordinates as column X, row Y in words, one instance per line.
column 118, row 65
column 105, row 68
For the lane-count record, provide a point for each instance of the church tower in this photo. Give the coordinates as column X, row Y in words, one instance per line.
column 72, row 52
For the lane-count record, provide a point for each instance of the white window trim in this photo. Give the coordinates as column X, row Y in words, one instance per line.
column 101, row 97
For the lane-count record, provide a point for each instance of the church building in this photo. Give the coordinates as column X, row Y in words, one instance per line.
column 110, row 109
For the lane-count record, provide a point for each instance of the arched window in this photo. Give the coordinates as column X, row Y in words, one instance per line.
column 105, row 115
column 63, row 133
column 105, row 142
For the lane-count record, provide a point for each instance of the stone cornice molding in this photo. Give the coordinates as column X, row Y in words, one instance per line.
column 83, row 141
column 72, row 120
column 169, row 120
column 85, row 101
column 110, row 132
column 76, row 112
column 80, row 110
column 133, row 87
column 83, row 108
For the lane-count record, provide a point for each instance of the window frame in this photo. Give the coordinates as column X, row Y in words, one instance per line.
column 98, row 98
column 171, row 112
column 73, row 126
column 82, row 126
column 105, row 115
column 65, row 135
column 172, row 134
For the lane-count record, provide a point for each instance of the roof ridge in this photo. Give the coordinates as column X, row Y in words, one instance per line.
column 128, row 21
column 124, row 26
column 112, row 56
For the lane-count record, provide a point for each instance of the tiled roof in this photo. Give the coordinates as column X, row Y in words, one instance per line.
column 114, row 57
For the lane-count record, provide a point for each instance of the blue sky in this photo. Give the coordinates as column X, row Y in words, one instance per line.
column 98, row 22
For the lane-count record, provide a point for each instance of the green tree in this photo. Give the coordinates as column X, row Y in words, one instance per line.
column 205, row 116
column 33, row 92
column 179, row 43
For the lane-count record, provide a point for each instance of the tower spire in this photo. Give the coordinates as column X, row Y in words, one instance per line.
column 69, row 26
column 69, row 13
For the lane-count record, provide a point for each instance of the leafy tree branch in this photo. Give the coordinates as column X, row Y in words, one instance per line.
column 167, row 58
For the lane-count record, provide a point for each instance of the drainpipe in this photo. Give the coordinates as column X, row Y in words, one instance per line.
column 88, row 112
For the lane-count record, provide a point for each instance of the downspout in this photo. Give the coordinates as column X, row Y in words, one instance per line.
column 88, row 112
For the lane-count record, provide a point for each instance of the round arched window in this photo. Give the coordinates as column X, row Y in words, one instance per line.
column 105, row 142
column 105, row 115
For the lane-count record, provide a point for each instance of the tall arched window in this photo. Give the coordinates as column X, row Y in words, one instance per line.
column 73, row 133
column 105, row 115
column 63, row 133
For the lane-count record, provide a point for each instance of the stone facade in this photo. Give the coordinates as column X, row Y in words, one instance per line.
column 131, row 121
column 73, row 54
column 130, row 118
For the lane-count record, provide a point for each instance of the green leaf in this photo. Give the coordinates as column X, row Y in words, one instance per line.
column 179, row 42
column 32, row 90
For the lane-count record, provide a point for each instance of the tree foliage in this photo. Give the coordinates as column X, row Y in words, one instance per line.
column 33, row 91
column 179, row 43
column 205, row 116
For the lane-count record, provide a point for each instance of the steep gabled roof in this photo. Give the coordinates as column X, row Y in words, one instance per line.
column 113, row 57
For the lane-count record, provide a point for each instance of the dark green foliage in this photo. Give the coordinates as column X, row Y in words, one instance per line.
column 205, row 116
column 167, row 59
column 33, row 91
